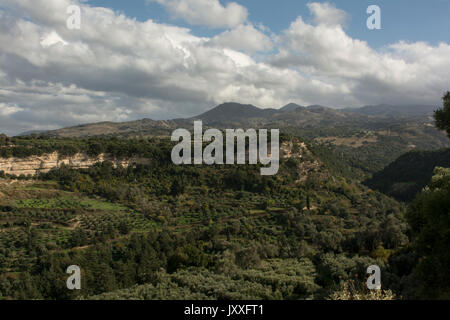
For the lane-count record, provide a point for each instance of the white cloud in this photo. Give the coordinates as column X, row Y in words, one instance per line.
column 8, row 109
column 402, row 73
column 209, row 13
column 325, row 13
column 245, row 38
column 51, row 39
column 116, row 68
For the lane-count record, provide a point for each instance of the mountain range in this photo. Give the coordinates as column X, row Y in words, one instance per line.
column 233, row 114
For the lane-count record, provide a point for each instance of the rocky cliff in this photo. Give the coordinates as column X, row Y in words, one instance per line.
column 36, row 164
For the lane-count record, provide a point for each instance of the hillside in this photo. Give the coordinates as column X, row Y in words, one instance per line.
column 294, row 235
column 136, row 128
column 368, row 138
column 398, row 111
column 231, row 113
column 290, row 107
column 144, row 228
column 291, row 115
column 409, row 174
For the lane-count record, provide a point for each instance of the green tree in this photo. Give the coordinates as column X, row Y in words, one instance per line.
column 3, row 139
column 442, row 115
column 429, row 217
column 177, row 187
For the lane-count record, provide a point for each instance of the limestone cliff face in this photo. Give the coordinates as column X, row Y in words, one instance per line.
column 36, row 164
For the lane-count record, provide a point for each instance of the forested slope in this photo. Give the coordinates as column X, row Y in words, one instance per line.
column 159, row 224
column 409, row 174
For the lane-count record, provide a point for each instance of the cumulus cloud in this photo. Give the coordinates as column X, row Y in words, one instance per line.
column 209, row 13
column 401, row 73
column 325, row 13
column 51, row 39
column 243, row 38
column 8, row 109
column 116, row 68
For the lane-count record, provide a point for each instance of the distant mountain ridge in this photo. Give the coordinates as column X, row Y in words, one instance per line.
column 234, row 112
column 290, row 107
column 247, row 115
column 386, row 110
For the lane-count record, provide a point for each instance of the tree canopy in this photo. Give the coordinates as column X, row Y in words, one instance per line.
column 442, row 115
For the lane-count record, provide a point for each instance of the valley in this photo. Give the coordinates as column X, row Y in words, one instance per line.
column 141, row 227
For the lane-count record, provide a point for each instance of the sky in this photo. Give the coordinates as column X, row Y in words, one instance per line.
column 409, row 20
column 165, row 59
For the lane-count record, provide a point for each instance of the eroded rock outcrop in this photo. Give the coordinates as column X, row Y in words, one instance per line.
column 36, row 164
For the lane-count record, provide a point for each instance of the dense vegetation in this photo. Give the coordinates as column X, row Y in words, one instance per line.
column 160, row 231
column 429, row 217
column 157, row 224
column 22, row 147
column 442, row 115
column 409, row 174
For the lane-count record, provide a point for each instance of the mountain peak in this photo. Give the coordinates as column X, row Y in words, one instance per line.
column 233, row 112
column 290, row 107
column 234, row 106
